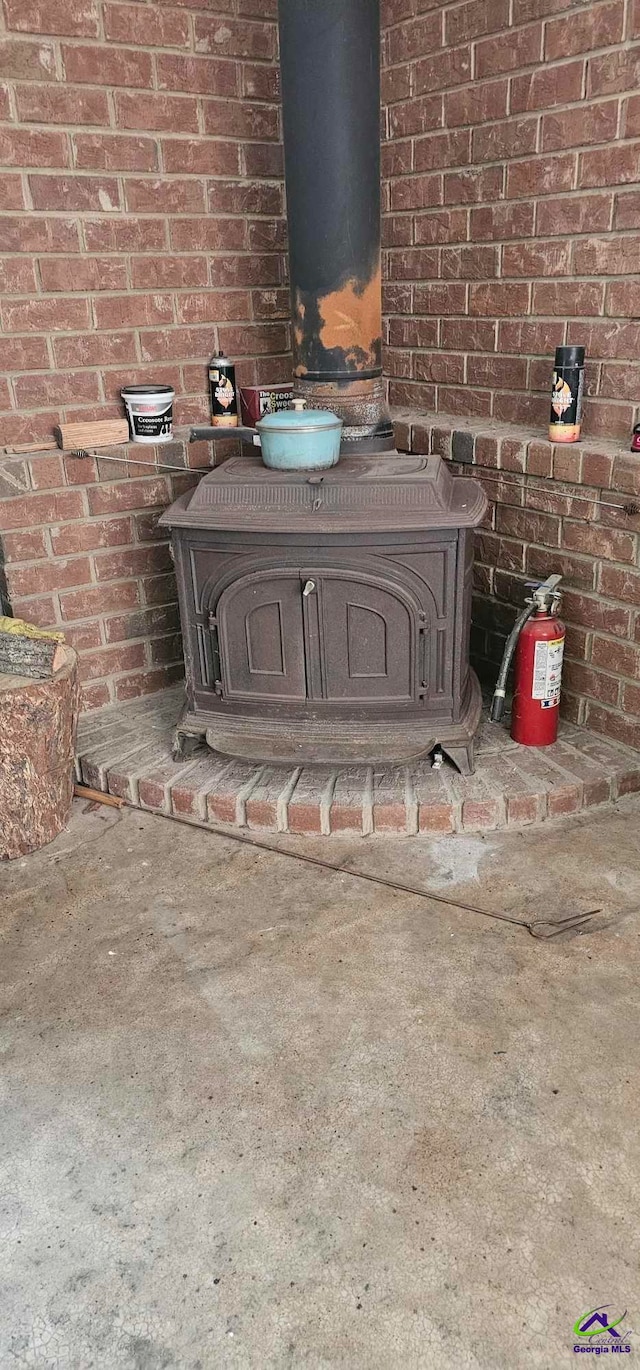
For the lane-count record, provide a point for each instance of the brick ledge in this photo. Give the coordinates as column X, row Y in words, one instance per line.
column 125, row 750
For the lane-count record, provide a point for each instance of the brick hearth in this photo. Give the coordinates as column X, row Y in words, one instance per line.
column 125, row 750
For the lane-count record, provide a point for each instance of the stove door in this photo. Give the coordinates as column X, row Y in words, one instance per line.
column 261, row 637
column 367, row 640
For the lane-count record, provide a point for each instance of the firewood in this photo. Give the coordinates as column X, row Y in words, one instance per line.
column 29, row 651
column 107, row 433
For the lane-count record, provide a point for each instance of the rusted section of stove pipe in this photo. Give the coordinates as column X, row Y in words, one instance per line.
column 330, row 67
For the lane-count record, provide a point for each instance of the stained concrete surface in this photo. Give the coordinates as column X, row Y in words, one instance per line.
column 259, row 1114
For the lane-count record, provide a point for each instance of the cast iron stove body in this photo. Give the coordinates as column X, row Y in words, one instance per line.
column 326, row 617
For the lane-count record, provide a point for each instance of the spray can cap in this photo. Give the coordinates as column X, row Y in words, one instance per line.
column 569, row 356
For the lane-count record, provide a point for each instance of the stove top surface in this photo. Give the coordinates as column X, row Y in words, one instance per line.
column 367, row 492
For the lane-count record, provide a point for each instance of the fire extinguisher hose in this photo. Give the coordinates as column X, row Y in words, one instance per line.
column 497, row 703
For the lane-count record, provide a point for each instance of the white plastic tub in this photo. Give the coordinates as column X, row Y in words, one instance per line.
column 149, row 412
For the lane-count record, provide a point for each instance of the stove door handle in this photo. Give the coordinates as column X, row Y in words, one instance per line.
column 309, row 588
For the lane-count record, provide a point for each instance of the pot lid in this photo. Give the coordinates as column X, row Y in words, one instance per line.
column 361, row 494
column 299, row 420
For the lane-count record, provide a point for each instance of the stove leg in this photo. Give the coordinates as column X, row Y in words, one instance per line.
column 183, row 744
column 462, row 757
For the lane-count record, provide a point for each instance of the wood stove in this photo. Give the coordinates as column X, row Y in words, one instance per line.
column 326, row 617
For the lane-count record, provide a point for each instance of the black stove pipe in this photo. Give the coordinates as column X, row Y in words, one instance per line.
column 330, row 69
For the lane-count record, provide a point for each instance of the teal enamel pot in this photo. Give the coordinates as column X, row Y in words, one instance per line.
column 300, row 440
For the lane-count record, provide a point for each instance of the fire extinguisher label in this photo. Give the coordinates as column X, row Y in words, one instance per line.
column 547, row 672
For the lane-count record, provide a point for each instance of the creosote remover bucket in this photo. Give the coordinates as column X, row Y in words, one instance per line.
column 149, row 411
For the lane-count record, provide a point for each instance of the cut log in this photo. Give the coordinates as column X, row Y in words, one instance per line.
column 102, row 433
column 37, row 737
column 28, row 650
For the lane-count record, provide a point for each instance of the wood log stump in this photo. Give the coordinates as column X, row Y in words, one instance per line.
column 37, row 738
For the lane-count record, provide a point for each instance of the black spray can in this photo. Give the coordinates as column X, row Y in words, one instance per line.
column 566, row 395
column 222, row 391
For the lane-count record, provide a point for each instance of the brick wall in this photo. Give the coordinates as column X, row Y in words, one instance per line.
column 83, row 553
column 141, row 203
column 513, row 223
column 553, row 509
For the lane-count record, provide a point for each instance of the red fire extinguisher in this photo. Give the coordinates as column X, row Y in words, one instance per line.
column 538, row 642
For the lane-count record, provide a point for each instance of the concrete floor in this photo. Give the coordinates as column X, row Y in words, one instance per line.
column 258, row 1114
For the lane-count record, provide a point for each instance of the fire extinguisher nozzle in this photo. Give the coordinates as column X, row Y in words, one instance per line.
column 497, row 708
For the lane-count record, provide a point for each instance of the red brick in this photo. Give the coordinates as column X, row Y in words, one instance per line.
column 232, row 197
column 440, row 298
column 626, row 210
column 30, row 510
column 564, row 799
column 168, row 271
column 125, row 235
column 413, row 332
column 176, row 196
column 84, row 273
column 575, row 127
column 34, row 391
column 498, row 373
column 79, row 604
column 239, row 119
column 147, row 682
column 442, row 149
column 620, row 382
column 632, row 117
column 416, row 192
column 600, row 27
column 33, row 147
column 419, row 115
column 540, row 176
column 621, row 728
column 414, row 264
column 576, row 298
column 133, row 494
column 574, row 214
column 469, row 263
column 84, row 637
column 200, row 75
column 11, row 192
column 75, row 192
column 173, row 114
column 498, row 298
column 475, row 18
column 111, row 661
column 41, row 611
column 580, row 679
column 614, row 71
column 615, row 657
column 17, row 276
column 622, row 585
column 105, row 66
column 47, row 473
column 509, row 51
column 481, row 814
column 617, row 165
column 95, row 349
column 142, row 623
column 260, row 82
column 90, row 535
column 414, row 38
column 212, row 306
column 24, row 61
column 525, row 808
column 468, row 187
column 28, row 545
column 132, row 24
column 132, row 310
column 477, row 104
column 623, row 299
column 608, row 543
column 61, row 105
column 440, row 70
column 137, row 561
column 547, row 86
column 612, row 338
column 437, row 818
column 52, row 575
column 206, row 156
column 440, row 226
column 78, row 18
column 25, row 316
column 529, row 525
column 234, row 38
column 497, row 222
column 263, row 160
column 510, row 138
column 114, row 152
column 536, row 259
